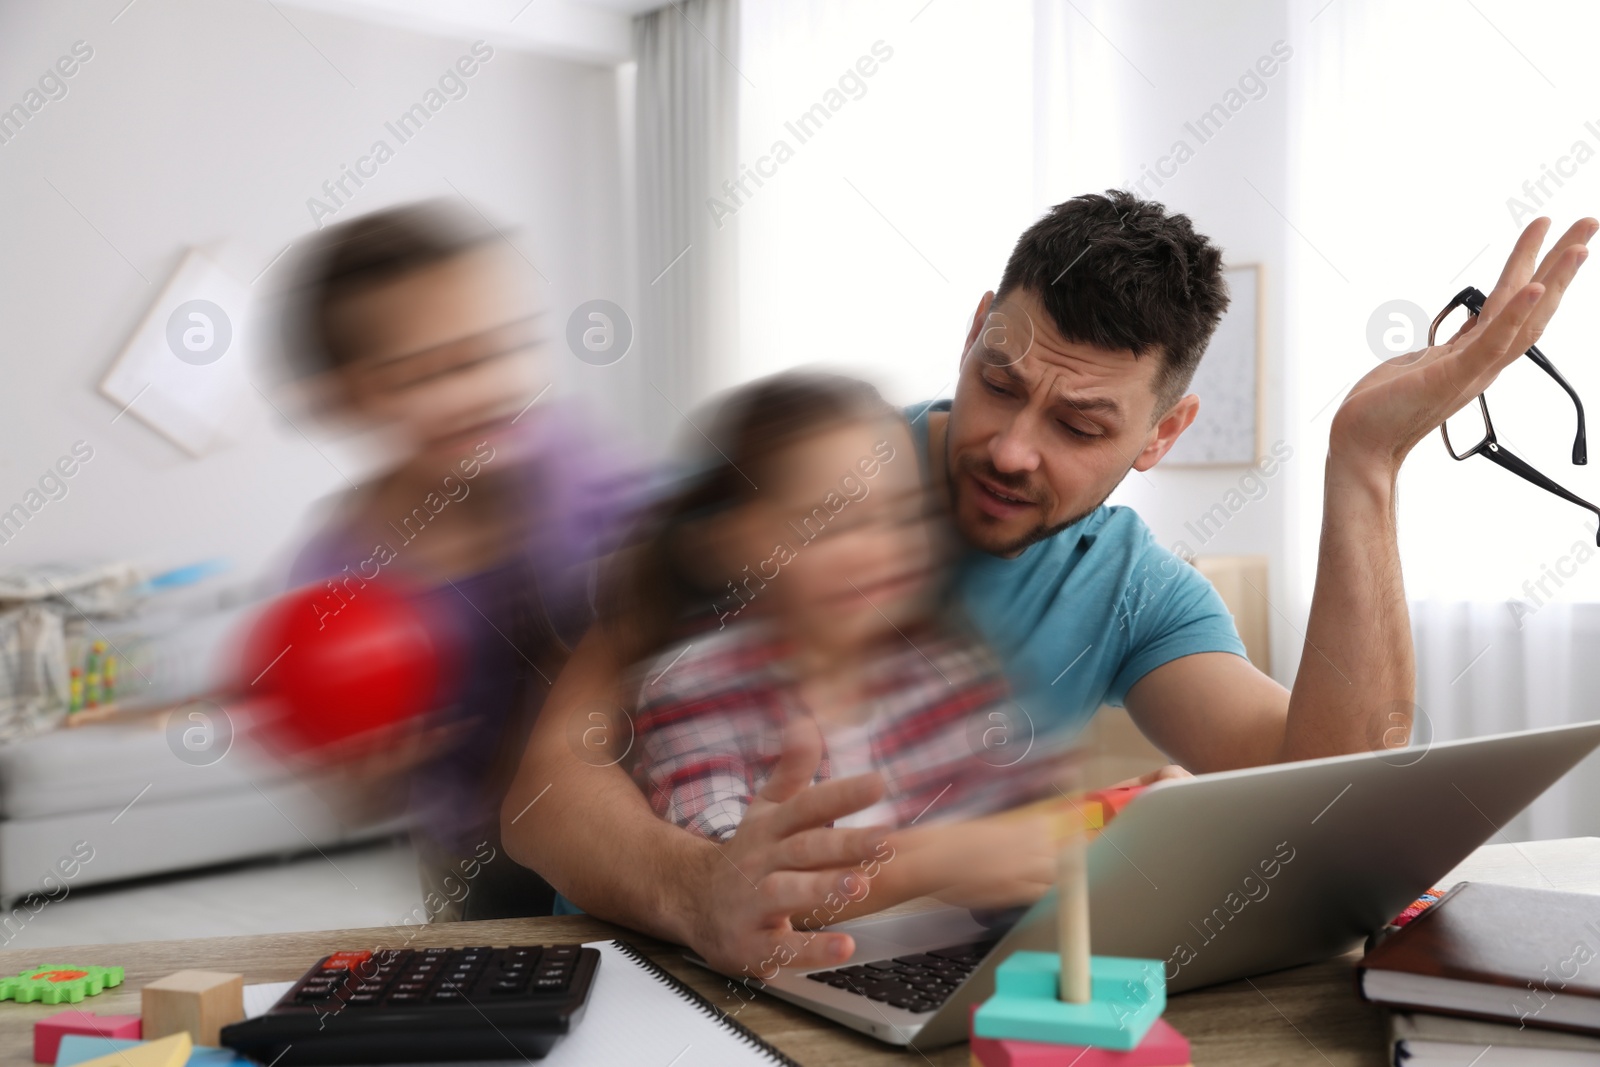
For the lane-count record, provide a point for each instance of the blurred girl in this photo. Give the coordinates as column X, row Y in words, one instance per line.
column 805, row 554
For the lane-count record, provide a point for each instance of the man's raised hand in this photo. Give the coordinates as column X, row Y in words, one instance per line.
column 1401, row 401
column 784, row 860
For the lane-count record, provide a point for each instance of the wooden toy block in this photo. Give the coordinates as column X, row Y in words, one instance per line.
column 48, row 1032
column 1162, row 1046
column 1126, row 997
column 199, row 1003
column 168, row 1052
column 1066, row 816
column 1112, row 801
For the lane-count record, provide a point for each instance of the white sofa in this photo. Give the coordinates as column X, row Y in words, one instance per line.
column 120, row 788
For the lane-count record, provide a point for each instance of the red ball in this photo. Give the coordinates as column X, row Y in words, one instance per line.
column 342, row 664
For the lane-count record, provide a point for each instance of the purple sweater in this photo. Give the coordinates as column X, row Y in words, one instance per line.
column 509, row 622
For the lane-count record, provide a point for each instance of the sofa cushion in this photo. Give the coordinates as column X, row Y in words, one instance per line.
column 107, row 764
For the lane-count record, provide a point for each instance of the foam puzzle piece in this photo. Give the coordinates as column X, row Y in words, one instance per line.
column 54, row 983
column 1126, row 997
column 167, row 1052
column 77, row 1049
column 1162, row 1046
column 48, row 1032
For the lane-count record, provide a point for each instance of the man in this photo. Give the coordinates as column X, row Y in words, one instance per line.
column 1074, row 373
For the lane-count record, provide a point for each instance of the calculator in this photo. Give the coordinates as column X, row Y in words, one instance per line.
column 424, row 1006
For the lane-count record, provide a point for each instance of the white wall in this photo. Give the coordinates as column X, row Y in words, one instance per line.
column 1176, row 61
column 871, row 247
column 210, row 123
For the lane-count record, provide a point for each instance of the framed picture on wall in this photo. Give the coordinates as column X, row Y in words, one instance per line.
column 1229, row 382
column 182, row 372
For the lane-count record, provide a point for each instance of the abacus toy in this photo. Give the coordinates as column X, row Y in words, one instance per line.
column 1071, row 1007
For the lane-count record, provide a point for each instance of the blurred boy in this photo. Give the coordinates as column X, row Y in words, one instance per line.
column 490, row 514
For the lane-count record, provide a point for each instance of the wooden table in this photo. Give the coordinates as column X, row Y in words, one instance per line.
column 1308, row 1015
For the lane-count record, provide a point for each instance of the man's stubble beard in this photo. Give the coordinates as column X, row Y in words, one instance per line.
column 1039, row 533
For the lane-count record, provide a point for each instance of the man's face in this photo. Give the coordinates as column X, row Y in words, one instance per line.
column 1043, row 429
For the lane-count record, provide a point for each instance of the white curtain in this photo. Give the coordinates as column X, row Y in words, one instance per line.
column 894, row 207
column 686, row 120
column 1417, row 133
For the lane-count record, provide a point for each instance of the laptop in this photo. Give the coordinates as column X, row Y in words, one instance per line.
column 1220, row 877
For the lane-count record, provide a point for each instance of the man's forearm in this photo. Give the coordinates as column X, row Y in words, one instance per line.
column 1357, row 676
column 584, row 826
column 591, row 835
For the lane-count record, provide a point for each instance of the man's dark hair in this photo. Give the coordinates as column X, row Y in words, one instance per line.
column 363, row 254
column 1120, row 273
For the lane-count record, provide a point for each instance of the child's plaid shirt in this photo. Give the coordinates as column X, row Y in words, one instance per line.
column 711, row 714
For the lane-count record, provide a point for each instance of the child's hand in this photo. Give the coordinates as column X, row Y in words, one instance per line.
column 993, row 862
column 366, row 778
column 1160, row 774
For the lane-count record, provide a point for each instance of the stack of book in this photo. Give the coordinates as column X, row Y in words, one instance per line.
column 1492, row 975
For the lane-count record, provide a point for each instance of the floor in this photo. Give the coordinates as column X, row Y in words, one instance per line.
column 368, row 885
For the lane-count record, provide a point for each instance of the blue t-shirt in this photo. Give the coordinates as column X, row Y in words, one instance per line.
column 1078, row 618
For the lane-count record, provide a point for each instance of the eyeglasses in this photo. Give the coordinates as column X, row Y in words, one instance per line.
column 1480, row 432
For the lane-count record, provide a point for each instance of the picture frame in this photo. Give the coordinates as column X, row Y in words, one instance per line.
column 182, row 372
column 1230, row 382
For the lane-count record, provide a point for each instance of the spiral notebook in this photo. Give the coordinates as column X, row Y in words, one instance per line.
column 638, row 1013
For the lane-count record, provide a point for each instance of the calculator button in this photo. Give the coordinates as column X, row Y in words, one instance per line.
column 550, row 983
column 362, row 999
column 411, row 987
column 446, row 995
column 505, row 985
column 405, row 998
column 370, row 987
column 345, row 960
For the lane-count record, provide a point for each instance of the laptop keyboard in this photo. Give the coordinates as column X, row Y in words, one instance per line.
column 917, row 982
